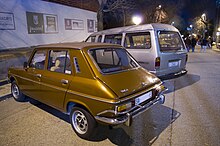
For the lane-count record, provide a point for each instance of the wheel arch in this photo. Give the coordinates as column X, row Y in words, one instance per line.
column 71, row 104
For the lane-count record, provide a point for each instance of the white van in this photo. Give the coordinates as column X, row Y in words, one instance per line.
column 159, row 48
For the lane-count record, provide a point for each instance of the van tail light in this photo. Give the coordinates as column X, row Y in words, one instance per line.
column 157, row 63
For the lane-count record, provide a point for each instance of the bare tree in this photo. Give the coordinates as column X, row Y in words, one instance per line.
column 164, row 14
column 120, row 10
column 100, row 12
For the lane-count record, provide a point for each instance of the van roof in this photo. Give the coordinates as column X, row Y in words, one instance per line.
column 76, row 45
column 152, row 26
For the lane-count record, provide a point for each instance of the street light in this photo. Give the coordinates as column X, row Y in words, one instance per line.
column 136, row 20
column 172, row 23
column 203, row 17
column 159, row 6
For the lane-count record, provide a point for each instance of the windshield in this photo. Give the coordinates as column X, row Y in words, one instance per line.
column 111, row 60
column 170, row 41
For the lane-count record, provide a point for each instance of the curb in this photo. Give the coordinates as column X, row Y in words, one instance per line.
column 3, row 82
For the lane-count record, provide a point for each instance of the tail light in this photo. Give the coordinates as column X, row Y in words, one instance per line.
column 157, row 63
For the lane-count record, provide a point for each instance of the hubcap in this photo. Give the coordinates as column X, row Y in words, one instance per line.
column 15, row 91
column 80, row 122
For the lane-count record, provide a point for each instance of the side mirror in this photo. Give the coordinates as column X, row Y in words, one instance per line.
column 25, row 65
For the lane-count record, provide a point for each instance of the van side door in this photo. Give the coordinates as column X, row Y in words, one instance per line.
column 140, row 45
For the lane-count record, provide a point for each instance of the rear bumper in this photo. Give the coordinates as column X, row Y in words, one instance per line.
column 127, row 118
column 173, row 75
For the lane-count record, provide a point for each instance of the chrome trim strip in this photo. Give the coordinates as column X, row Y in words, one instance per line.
column 128, row 116
column 25, row 78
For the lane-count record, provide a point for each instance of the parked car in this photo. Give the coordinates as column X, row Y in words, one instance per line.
column 92, row 82
column 159, row 48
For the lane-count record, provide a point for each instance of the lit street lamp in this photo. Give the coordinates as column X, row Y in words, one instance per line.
column 136, row 20
column 172, row 23
column 203, row 18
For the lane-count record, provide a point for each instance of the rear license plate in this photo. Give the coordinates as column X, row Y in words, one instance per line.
column 173, row 64
column 143, row 98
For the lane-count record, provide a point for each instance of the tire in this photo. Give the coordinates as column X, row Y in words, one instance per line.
column 16, row 92
column 82, row 123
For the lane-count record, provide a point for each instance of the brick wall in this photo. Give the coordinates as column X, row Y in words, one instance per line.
column 91, row 5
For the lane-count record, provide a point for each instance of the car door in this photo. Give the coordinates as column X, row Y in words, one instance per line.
column 32, row 78
column 57, row 77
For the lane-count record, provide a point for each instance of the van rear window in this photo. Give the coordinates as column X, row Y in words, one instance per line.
column 139, row 40
column 169, row 41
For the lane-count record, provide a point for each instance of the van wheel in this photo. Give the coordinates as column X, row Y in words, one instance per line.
column 16, row 92
column 82, row 122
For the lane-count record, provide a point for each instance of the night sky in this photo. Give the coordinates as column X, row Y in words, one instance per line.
column 195, row 8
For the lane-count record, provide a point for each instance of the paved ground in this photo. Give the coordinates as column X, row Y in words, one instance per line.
column 190, row 115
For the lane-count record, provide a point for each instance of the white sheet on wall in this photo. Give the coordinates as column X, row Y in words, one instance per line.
column 55, row 16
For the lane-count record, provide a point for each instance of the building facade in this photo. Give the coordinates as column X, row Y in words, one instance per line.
column 25, row 23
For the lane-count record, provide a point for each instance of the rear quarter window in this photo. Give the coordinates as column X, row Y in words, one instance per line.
column 113, row 39
column 139, row 40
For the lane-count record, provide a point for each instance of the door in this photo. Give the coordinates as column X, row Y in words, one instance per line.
column 56, row 79
column 32, row 77
column 139, row 44
column 172, row 52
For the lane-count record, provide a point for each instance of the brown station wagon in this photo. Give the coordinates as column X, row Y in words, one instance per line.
column 92, row 82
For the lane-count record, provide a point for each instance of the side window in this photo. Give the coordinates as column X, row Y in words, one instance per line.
column 38, row 60
column 91, row 39
column 140, row 40
column 59, row 61
column 113, row 39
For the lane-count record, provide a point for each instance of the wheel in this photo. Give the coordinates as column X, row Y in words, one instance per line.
column 16, row 92
column 82, row 122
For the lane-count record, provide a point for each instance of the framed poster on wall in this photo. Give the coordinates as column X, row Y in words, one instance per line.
column 35, row 23
column 68, row 24
column 77, row 24
column 7, row 21
column 50, row 23
column 90, row 25
column 73, row 24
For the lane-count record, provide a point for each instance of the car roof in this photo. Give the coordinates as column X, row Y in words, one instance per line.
column 133, row 28
column 77, row 45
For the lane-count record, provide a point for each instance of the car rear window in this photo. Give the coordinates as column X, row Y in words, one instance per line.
column 169, row 41
column 111, row 60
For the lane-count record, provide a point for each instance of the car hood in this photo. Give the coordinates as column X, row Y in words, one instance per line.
column 129, row 82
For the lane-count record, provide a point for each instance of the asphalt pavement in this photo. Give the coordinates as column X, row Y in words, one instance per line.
column 189, row 117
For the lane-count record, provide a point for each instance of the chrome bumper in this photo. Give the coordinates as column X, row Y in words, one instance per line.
column 127, row 118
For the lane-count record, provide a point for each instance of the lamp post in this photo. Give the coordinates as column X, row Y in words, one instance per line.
column 203, row 18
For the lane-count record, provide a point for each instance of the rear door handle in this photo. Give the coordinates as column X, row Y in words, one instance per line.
column 64, row 81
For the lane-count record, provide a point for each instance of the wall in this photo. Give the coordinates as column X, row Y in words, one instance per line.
column 16, row 16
